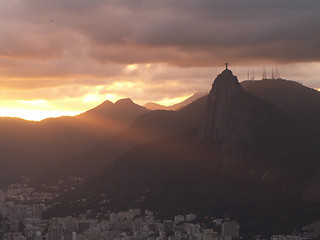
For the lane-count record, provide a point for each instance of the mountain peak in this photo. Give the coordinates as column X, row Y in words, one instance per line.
column 225, row 85
column 232, row 115
column 106, row 103
column 124, row 101
column 218, row 115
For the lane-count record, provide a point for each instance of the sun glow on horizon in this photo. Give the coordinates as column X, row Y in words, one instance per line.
column 35, row 115
column 33, row 102
column 37, row 109
column 172, row 101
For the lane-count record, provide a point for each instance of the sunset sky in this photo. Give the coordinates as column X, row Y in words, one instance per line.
column 62, row 57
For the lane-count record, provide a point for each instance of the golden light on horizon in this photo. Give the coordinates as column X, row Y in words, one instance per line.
column 172, row 101
column 39, row 109
column 34, row 115
column 91, row 98
column 112, row 97
column 39, row 102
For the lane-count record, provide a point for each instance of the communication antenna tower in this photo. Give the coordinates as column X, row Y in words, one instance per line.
column 277, row 75
column 264, row 73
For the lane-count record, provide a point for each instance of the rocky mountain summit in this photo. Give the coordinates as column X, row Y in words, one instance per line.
column 219, row 113
column 233, row 115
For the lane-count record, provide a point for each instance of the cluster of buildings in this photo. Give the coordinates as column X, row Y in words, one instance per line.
column 18, row 212
column 65, row 184
column 21, row 211
column 23, row 194
column 13, row 215
column 125, row 225
column 312, row 231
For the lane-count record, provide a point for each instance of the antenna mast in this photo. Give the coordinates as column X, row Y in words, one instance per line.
column 277, row 73
column 264, row 73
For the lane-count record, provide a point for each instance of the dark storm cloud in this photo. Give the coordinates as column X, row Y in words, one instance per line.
column 187, row 32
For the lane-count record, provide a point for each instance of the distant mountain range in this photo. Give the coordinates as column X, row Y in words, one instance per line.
column 250, row 150
column 177, row 106
column 30, row 148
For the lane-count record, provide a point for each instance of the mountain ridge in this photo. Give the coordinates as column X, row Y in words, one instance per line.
column 16, row 131
column 263, row 176
column 36, row 147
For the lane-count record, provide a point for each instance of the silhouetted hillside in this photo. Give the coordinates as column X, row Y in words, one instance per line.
column 147, row 127
column 113, row 117
column 29, row 148
column 70, row 141
column 286, row 94
column 251, row 161
column 155, row 125
column 160, row 123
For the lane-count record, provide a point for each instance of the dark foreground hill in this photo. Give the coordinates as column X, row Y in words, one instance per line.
column 248, row 158
column 81, row 145
column 31, row 148
column 289, row 95
column 147, row 127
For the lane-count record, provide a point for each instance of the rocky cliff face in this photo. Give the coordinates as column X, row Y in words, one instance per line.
column 233, row 116
column 218, row 119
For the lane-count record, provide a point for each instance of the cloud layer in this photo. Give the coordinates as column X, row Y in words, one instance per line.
column 181, row 32
column 50, row 48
